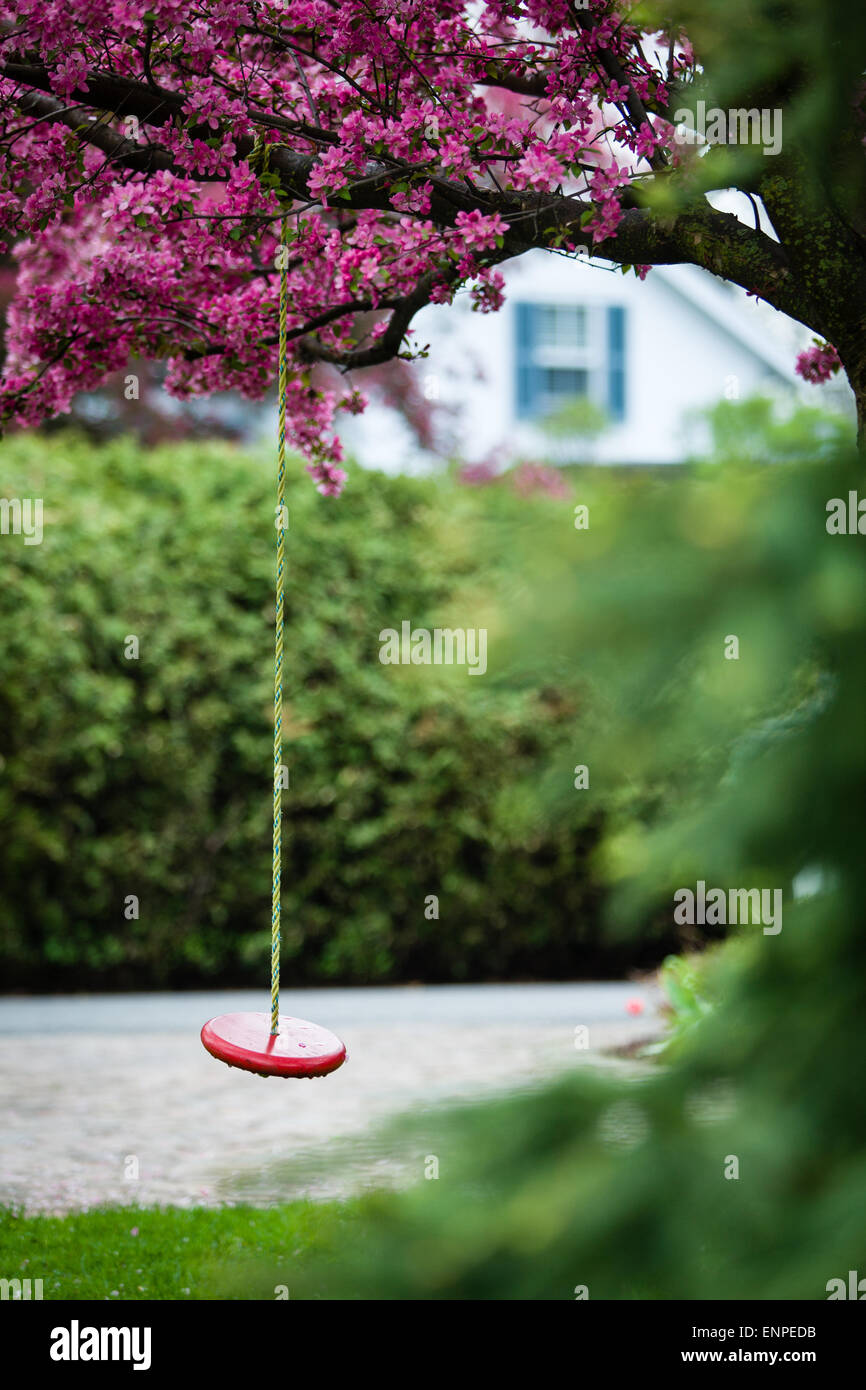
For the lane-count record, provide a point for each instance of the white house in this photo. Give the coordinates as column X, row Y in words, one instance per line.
column 653, row 355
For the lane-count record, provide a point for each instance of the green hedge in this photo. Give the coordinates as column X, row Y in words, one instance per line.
column 152, row 777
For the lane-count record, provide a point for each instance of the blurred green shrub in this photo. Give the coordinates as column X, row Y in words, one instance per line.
column 736, row 1170
column 152, row 777
column 683, row 979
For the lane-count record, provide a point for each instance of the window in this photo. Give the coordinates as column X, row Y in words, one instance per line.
column 562, row 383
column 568, row 351
column 561, row 326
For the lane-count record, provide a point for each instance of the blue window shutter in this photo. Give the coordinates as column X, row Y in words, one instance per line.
column 524, row 356
column 616, row 361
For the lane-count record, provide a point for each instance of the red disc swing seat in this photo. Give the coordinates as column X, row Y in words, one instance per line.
column 276, row 1045
column 298, row 1049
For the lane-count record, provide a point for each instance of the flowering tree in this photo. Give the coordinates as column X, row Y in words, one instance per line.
column 149, row 159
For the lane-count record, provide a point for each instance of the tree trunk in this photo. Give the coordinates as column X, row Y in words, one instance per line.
column 857, row 380
column 852, row 355
column 859, row 390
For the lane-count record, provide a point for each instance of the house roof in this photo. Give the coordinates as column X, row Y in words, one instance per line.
column 729, row 309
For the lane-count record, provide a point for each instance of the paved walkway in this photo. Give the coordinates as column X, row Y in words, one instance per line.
column 113, row 1098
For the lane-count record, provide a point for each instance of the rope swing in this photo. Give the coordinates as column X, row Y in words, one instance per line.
column 278, row 641
column 276, row 1046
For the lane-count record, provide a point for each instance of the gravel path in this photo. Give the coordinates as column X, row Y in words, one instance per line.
column 113, row 1099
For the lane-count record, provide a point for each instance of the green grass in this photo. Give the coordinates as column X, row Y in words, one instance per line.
column 177, row 1253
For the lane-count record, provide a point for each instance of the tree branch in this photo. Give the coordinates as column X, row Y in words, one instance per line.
column 698, row 235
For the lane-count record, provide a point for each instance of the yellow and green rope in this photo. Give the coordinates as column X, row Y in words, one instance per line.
column 278, row 649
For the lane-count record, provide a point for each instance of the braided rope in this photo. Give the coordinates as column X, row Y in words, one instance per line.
column 278, row 647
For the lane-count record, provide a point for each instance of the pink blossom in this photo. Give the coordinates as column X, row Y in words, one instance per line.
column 379, row 136
column 488, row 293
column 477, row 474
column 478, row 231
column 817, row 364
column 538, row 169
column 528, row 478
column 328, row 478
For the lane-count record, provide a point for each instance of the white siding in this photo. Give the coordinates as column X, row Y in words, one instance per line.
column 690, row 341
